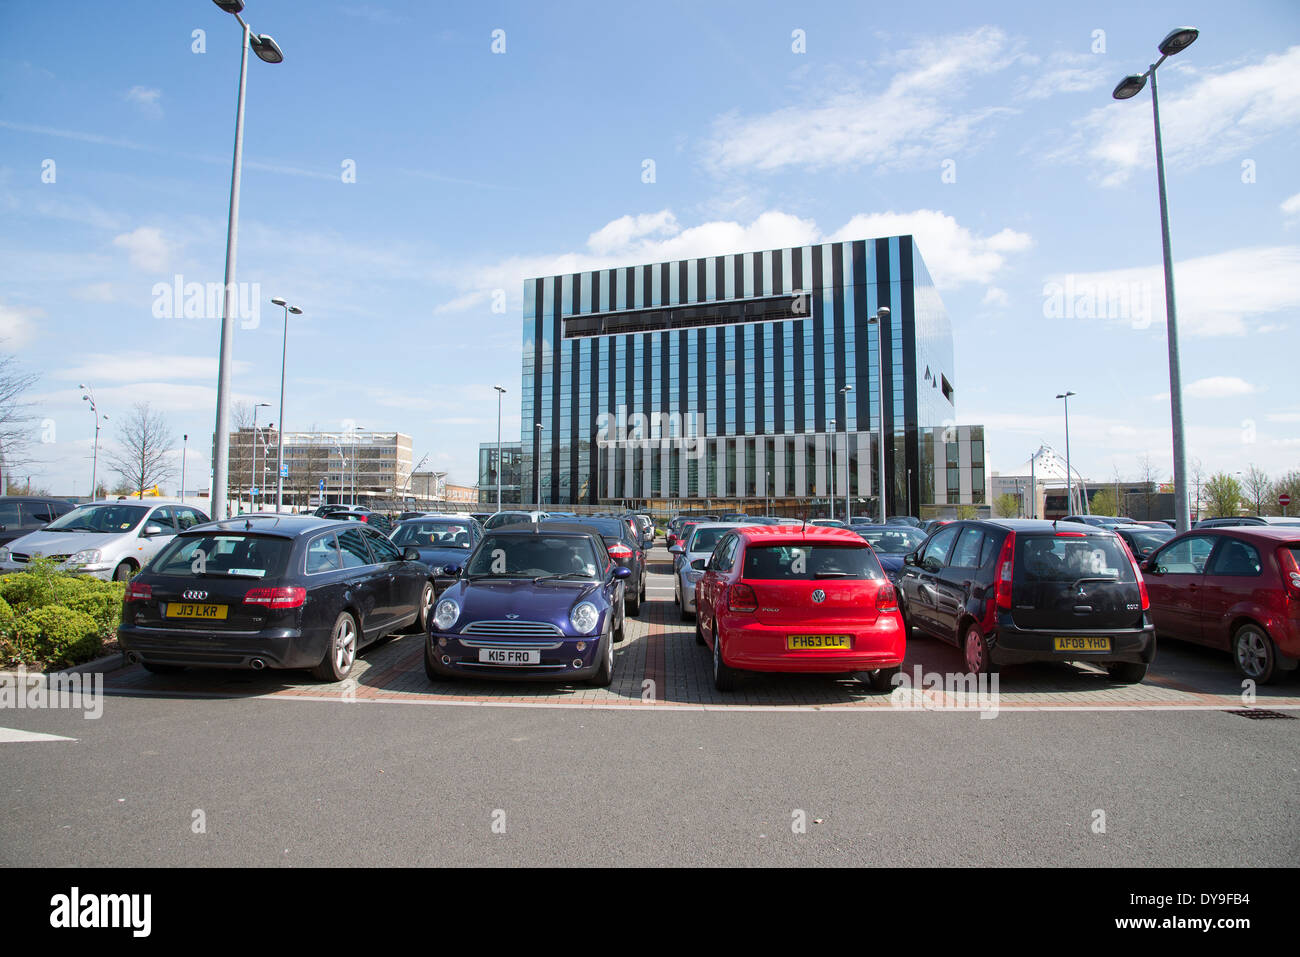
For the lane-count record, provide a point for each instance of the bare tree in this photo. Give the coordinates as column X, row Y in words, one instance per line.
column 1290, row 484
column 1149, row 477
column 1257, row 485
column 143, row 458
column 1197, row 471
column 15, row 416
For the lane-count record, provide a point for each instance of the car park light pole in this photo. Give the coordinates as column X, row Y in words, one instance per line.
column 848, row 387
column 500, row 393
column 1069, row 476
column 354, row 430
column 267, row 51
column 1175, row 42
column 252, row 488
column 537, row 472
column 279, row 445
column 185, row 445
column 831, row 497
column 879, row 320
column 89, row 396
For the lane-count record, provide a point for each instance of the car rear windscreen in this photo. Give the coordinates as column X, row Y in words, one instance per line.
column 1068, row 559
column 223, row 555
column 705, row 539
column 809, row 562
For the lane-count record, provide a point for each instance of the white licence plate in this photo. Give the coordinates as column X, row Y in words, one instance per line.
column 509, row 656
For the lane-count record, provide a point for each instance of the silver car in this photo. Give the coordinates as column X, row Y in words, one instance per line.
column 698, row 547
column 104, row 539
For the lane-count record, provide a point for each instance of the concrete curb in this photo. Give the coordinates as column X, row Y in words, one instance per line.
column 104, row 665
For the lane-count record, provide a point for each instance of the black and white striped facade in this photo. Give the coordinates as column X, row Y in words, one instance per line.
column 723, row 378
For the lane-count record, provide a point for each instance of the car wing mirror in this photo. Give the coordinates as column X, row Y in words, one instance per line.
column 675, row 549
column 622, row 571
column 452, row 570
column 410, row 554
column 152, row 530
column 699, row 564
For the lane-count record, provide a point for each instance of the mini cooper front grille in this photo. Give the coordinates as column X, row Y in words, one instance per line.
column 513, row 630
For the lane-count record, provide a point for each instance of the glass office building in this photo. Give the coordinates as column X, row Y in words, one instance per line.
column 747, row 379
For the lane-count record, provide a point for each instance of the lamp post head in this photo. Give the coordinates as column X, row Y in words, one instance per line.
column 1178, row 40
column 294, row 310
column 277, row 301
column 1130, row 86
column 266, row 49
column 230, row 6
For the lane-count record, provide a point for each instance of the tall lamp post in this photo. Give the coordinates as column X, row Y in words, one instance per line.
column 500, row 393
column 252, row 488
column 267, row 51
column 1069, row 475
column 89, row 396
column 279, row 445
column 537, row 472
column 847, row 483
column 1175, row 42
column 879, row 320
column 355, row 439
column 185, row 448
column 831, row 498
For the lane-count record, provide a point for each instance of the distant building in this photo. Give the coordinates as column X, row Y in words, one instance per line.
column 511, row 472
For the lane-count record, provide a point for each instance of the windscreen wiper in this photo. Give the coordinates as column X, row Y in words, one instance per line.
column 561, row 575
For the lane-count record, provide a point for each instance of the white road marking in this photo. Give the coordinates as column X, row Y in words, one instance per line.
column 10, row 735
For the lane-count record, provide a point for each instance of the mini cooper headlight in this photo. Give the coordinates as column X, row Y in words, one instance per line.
column 584, row 617
column 87, row 556
column 445, row 615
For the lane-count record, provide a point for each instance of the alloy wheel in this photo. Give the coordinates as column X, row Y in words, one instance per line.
column 345, row 645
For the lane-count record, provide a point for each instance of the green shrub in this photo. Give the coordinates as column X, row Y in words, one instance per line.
column 57, row 636
column 6, row 613
column 100, row 600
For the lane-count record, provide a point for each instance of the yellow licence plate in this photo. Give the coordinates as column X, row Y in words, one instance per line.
column 180, row 609
column 816, row 642
column 1082, row 644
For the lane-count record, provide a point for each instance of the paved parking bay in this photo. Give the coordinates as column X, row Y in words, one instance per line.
column 659, row 665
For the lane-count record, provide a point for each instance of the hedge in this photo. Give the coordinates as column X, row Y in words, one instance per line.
column 51, row 618
column 56, row 635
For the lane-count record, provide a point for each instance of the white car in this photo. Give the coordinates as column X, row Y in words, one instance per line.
column 109, row 539
column 502, row 519
column 699, row 546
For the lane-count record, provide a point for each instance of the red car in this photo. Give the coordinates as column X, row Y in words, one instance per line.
column 1235, row 588
column 806, row 599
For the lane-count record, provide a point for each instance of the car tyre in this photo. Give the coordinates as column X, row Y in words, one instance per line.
column 724, row 676
column 1127, row 672
column 154, row 669
column 699, row 631
column 341, row 654
column 620, row 630
column 632, row 605
column 975, row 649
column 123, row 572
column 882, row 679
column 1254, row 654
column 605, row 673
column 427, row 598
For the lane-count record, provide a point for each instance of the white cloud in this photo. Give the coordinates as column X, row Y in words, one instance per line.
column 995, row 297
column 1291, row 205
column 1217, row 295
column 1204, row 118
column 16, row 326
column 147, row 98
column 917, row 118
column 132, row 366
column 1066, row 73
column 146, row 248
column 1218, row 387
column 953, row 254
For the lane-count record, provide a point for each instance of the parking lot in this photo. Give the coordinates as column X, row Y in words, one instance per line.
column 659, row 665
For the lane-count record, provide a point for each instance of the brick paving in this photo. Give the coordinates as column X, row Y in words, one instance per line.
column 659, row 666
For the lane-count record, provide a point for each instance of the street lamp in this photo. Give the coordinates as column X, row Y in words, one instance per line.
column 1174, row 42
column 500, row 393
column 279, row 445
column 831, row 497
column 89, row 396
column 185, row 442
column 252, row 488
column 354, row 430
column 411, row 474
column 537, row 472
column 879, row 320
column 1069, row 475
column 267, row 51
column 845, row 392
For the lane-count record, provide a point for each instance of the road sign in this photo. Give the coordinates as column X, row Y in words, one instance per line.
column 284, row 471
column 1284, row 500
column 321, row 486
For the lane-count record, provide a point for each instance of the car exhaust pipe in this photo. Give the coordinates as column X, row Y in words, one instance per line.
column 258, row 664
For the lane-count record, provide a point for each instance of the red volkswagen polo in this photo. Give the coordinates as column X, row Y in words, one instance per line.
column 798, row 599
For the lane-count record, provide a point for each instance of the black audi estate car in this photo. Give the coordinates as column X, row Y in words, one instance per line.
column 1016, row 590
column 272, row 591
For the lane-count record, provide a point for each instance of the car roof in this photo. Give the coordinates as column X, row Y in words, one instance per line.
column 581, row 524
column 782, row 534
column 268, row 523
column 1038, row 525
column 148, row 502
column 565, row 529
column 1276, row 533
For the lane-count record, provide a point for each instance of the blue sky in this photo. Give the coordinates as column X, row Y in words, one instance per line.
column 987, row 131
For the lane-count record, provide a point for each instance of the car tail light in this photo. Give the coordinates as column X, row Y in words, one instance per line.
column 1006, row 566
column 364, row 518
column 1071, row 534
column 1290, row 572
column 292, row 596
column 742, row 598
column 1142, row 585
column 886, row 598
column 138, row 591
column 619, row 552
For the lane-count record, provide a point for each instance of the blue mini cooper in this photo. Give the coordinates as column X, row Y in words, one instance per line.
column 530, row 604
